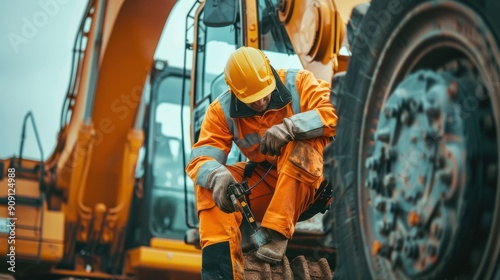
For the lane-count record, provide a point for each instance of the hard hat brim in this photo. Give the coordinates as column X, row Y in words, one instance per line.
column 258, row 95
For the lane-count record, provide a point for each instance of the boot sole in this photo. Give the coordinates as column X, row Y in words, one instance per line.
column 266, row 258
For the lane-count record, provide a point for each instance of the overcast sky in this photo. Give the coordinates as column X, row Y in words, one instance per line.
column 36, row 41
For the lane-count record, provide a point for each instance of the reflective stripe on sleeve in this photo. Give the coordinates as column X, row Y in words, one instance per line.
column 291, row 80
column 248, row 141
column 225, row 101
column 209, row 151
column 204, row 171
column 308, row 125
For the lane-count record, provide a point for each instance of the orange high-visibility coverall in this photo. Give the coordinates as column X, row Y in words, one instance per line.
column 288, row 190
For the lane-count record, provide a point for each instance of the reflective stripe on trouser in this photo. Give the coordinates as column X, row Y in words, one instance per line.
column 216, row 262
column 277, row 201
column 217, row 227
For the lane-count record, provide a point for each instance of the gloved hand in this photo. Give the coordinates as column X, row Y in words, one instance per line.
column 277, row 136
column 218, row 181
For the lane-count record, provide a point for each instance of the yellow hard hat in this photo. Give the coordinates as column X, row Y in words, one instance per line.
column 249, row 75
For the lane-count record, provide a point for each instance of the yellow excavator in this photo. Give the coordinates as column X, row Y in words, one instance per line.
column 414, row 165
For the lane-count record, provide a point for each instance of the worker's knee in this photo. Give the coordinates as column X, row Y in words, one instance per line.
column 304, row 163
column 204, row 199
column 217, row 226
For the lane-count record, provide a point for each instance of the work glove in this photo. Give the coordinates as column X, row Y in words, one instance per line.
column 218, row 181
column 277, row 136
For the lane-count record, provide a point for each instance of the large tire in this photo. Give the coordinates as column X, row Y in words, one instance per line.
column 452, row 40
column 299, row 268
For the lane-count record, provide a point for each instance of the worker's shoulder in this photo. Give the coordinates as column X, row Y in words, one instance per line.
column 298, row 72
column 301, row 73
column 222, row 100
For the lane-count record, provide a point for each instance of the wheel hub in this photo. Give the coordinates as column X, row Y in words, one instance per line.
column 417, row 172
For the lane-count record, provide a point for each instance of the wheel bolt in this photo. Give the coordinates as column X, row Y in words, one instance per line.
column 405, row 118
column 379, row 203
column 432, row 136
column 372, row 182
column 452, row 91
column 431, row 249
column 372, row 163
column 445, row 176
column 384, row 135
column 432, row 111
column 390, row 111
column 383, row 227
column 416, row 105
column 391, row 206
column 436, row 230
column 413, row 218
column 440, row 162
column 411, row 250
column 376, row 247
column 394, row 259
column 391, row 153
column 389, row 181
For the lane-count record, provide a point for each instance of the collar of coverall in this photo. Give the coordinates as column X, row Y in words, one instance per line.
column 280, row 97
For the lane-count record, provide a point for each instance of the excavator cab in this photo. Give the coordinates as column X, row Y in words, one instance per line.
column 163, row 203
column 168, row 199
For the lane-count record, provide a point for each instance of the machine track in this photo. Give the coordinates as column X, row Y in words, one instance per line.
column 298, row 268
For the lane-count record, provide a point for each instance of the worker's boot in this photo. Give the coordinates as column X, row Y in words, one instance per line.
column 273, row 251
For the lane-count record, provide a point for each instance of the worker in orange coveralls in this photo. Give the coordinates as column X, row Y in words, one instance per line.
column 280, row 119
